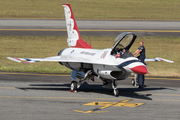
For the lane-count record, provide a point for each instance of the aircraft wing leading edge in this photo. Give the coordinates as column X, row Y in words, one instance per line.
column 48, row 59
column 70, row 59
column 56, row 59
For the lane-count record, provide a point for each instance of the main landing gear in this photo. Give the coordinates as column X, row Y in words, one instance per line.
column 110, row 84
column 73, row 86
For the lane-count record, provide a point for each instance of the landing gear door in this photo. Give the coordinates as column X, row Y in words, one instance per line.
column 123, row 41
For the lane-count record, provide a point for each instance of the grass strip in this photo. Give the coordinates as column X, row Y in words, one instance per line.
column 46, row 46
column 93, row 9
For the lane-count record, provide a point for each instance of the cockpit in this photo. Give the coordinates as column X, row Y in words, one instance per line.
column 122, row 44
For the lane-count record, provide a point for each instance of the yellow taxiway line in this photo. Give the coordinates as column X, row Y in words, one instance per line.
column 175, row 95
column 160, row 78
column 91, row 30
column 80, row 98
column 117, row 104
column 14, row 73
column 109, row 104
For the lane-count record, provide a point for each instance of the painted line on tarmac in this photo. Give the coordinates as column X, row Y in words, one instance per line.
column 149, row 78
column 34, row 19
column 90, row 111
column 11, row 73
column 116, row 104
column 8, row 88
column 176, row 95
column 177, row 31
column 92, row 19
column 109, row 104
column 33, row 30
column 133, row 30
column 78, row 98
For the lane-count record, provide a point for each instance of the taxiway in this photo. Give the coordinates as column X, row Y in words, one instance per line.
column 57, row 27
column 46, row 96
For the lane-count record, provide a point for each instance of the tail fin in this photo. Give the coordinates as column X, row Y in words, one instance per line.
column 74, row 38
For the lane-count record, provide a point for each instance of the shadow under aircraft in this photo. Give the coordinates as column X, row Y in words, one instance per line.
column 95, row 88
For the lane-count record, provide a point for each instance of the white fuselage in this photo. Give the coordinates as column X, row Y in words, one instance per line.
column 101, row 62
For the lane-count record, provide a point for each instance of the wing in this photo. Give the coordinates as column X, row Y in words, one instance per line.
column 159, row 59
column 61, row 58
column 52, row 59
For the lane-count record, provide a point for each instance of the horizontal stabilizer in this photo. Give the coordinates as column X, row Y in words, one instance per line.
column 158, row 59
column 14, row 59
column 28, row 60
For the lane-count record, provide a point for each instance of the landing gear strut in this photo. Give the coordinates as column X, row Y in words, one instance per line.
column 112, row 86
column 75, row 85
column 135, row 80
column 115, row 90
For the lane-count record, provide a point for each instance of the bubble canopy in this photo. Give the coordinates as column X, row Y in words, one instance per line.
column 123, row 41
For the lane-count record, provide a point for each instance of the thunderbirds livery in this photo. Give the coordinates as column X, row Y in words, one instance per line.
column 87, row 63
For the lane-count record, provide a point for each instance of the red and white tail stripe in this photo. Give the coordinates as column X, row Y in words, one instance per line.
column 74, row 38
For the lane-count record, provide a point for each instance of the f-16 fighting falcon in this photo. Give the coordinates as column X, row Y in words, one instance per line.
column 87, row 63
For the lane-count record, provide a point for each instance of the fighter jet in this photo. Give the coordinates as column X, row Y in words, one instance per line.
column 87, row 63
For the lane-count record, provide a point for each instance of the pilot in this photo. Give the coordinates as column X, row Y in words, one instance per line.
column 141, row 58
column 123, row 52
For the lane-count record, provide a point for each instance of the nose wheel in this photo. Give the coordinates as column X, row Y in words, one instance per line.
column 115, row 90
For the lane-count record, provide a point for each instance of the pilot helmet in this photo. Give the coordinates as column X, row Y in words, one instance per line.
column 118, row 56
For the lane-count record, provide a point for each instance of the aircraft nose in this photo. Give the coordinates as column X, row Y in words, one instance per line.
column 141, row 69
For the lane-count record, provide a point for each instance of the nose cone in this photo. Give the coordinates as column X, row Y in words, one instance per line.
column 141, row 69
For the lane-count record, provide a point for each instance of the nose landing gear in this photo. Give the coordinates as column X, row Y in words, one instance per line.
column 112, row 86
column 115, row 90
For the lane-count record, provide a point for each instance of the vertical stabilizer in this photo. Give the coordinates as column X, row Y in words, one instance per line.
column 74, row 38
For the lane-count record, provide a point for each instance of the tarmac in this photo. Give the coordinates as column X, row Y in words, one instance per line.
column 57, row 27
column 31, row 96
column 34, row 96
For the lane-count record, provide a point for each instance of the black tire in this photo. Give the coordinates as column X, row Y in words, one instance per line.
column 116, row 92
column 133, row 82
column 73, row 86
column 111, row 90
